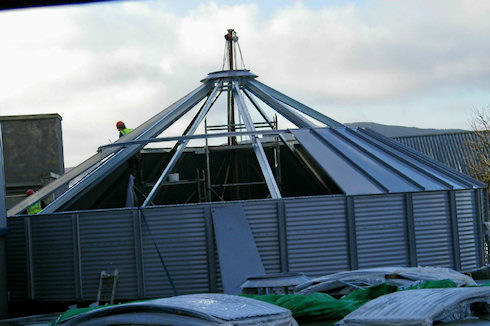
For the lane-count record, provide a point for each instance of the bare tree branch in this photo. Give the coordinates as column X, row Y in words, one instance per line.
column 480, row 167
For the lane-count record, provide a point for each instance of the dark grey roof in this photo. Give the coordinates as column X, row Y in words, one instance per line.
column 453, row 149
column 355, row 161
column 362, row 161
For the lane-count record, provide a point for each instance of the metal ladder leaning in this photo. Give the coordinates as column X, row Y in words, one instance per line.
column 108, row 281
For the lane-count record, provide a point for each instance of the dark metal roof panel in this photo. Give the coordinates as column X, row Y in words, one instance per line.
column 237, row 251
column 400, row 164
column 347, row 176
column 375, row 163
column 362, row 161
column 440, row 168
column 452, row 149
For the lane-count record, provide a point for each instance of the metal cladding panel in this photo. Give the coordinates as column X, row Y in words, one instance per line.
column 433, row 229
column 180, row 234
column 317, row 235
column 238, row 254
column 468, row 231
column 262, row 217
column 392, row 159
column 52, row 256
column 16, row 259
column 107, row 244
column 433, row 170
column 452, row 149
column 348, row 177
column 372, row 161
column 381, row 231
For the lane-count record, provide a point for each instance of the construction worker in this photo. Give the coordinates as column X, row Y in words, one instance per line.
column 37, row 206
column 123, row 131
column 134, row 163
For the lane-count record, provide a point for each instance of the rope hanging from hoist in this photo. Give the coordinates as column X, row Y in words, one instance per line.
column 230, row 52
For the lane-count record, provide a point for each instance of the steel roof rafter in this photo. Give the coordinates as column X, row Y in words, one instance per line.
column 183, row 144
column 297, row 105
column 121, row 156
column 265, row 116
column 102, row 155
column 256, row 144
column 286, row 112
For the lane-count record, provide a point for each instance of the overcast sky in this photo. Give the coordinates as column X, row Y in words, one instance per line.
column 412, row 63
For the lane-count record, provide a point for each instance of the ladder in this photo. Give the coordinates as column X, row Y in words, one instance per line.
column 108, row 281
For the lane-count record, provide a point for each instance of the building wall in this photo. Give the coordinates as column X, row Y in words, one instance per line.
column 59, row 257
column 33, row 150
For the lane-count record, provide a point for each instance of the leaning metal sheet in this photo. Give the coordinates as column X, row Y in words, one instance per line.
column 418, row 307
column 237, row 251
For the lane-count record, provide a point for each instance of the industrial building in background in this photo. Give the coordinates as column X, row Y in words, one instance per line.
column 247, row 198
column 33, row 153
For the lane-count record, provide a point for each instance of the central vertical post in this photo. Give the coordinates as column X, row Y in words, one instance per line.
column 231, row 103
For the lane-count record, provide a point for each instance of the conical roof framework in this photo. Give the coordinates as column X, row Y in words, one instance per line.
column 358, row 161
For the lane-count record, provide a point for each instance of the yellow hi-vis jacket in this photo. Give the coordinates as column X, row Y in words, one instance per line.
column 34, row 208
column 124, row 132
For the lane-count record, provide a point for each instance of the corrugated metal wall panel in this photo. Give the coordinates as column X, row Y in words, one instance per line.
column 179, row 232
column 52, row 256
column 16, row 258
column 106, row 244
column 433, row 229
column 381, row 233
column 262, row 217
column 467, row 228
column 316, row 232
column 317, row 235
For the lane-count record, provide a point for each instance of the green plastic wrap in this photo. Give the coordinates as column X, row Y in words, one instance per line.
column 323, row 306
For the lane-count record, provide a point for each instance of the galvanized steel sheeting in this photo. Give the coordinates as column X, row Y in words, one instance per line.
column 262, row 217
column 317, row 235
column 17, row 259
column 106, row 244
column 179, row 232
column 432, row 229
column 69, row 250
column 52, row 242
column 376, row 227
column 361, row 161
column 467, row 228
